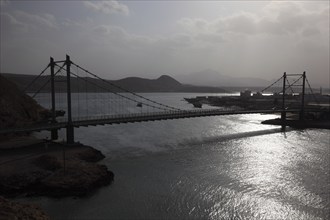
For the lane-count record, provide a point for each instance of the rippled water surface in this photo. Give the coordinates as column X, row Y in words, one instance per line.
column 225, row 167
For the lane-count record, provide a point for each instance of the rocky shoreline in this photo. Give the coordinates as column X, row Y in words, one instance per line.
column 299, row 124
column 16, row 210
column 31, row 167
column 49, row 169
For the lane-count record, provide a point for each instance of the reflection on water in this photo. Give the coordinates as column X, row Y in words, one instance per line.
column 228, row 167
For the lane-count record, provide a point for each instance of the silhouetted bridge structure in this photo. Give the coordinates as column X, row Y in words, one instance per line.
column 138, row 117
column 116, row 111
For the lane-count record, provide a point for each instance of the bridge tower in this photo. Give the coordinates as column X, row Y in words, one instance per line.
column 283, row 113
column 302, row 107
column 54, row 134
column 69, row 127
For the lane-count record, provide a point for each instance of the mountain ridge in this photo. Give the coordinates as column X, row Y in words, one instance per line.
column 164, row 83
column 212, row 77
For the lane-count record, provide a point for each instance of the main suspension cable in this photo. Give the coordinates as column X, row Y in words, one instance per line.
column 119, row 87
column 35, row 78
column 289, row 85
column 125, row 97
column 271, row 85
column 118, row 94
column 37, row 92
column 310, row 88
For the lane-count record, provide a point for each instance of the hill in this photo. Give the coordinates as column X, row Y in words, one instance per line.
column 164, row 83
column 214, row 78
column 16, row 108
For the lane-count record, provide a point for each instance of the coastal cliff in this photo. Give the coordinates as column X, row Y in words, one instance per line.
column 43, row 168
column 47, row 171
column 16, row 108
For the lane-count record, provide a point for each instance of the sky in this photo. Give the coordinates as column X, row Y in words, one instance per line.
column 116, row 39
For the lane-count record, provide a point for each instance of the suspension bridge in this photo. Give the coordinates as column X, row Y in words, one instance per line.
column 99, row 101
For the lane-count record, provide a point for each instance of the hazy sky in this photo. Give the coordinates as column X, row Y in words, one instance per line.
column 116, row 39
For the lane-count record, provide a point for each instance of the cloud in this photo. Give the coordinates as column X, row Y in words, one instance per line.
column 118, row 37
column 4, row 2
column 115, row 36
column 102, row 29
column 107, row 7
column 279, row 38
column 42, row 20
column 22, row 21
column 310, row 31
column 277, row 18
column 10, row 23
column 243, row 23
column 194, row 25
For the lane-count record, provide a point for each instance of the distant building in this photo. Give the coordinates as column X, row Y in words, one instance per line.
column 257, row 95
column 246, row 93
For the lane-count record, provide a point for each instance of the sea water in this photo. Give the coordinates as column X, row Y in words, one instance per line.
column 220, row 167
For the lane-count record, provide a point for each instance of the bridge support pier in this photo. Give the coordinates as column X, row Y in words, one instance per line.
column 283, row 120
column 54, row 134
column 70, row 134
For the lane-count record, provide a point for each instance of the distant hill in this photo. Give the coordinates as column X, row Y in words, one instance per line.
column 164, row 83
column 213, row 78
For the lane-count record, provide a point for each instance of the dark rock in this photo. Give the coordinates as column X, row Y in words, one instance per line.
column 90, row 155
column 76, row 180
column 16, row 108
column 21, row 183
column 48, row 162
column 50, row 175
column 300, row 124
column 15, row 210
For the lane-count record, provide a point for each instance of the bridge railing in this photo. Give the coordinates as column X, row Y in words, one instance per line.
column 183, row 113
column 139, row 117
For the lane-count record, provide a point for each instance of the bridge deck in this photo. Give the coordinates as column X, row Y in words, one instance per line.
column 138, row 117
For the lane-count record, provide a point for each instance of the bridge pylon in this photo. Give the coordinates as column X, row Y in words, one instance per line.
column 283, row 113
column 302, row 109
column 69, row 128
column 54, row 133
column 302, row 104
